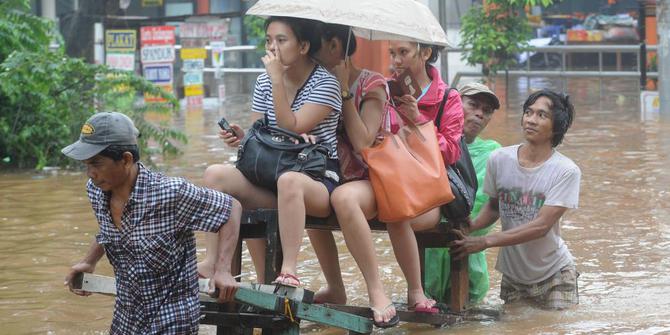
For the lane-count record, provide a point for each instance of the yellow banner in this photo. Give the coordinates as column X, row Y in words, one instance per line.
column 195, row 53
column 193, row 90
column 152, row 3
column 120, row 40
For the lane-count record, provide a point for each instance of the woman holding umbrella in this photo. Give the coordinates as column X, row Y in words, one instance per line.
column 364, row 111
column 301, row 96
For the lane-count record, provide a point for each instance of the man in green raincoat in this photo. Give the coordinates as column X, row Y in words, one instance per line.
column 479, row 103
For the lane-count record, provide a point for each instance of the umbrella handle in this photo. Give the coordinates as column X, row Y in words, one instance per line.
column 346, row 51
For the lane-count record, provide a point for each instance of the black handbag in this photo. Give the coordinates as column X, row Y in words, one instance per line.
column 462, row 179
column 266, row 152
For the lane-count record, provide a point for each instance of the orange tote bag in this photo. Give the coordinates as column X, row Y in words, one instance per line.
column 407, row 173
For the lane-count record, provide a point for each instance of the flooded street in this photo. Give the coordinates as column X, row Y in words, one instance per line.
column 620, row 235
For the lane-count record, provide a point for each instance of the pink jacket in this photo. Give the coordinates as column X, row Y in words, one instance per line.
column 451, row 125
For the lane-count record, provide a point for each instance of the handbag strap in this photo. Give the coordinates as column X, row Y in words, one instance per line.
column 440, row 111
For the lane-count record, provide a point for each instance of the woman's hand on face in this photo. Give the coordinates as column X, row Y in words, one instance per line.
column 273, row 65
column 341, row 72
column 232, row 139
column 408, row 106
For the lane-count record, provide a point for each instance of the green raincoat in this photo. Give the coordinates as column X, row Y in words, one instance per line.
column 437, row 261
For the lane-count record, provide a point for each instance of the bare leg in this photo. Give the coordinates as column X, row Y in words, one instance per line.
column 406, row 252
column 228, row 179
column 257, row 251
column 354, row 203
column 325, row 248
column 206, row 267
column 297, row 196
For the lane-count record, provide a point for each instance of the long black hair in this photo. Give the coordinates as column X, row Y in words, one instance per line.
column 303, row 29
column 562, row 112
column 328, row 31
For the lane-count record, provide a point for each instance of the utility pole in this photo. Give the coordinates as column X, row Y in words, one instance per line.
column 663, row 18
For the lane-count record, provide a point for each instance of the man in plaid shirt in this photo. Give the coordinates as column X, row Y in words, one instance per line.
column 146, row 225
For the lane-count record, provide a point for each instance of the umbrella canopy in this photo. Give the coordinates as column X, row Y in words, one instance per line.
column 405, row 20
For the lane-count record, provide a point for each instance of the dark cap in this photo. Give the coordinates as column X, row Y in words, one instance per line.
column 471, row 89
column 100, row 131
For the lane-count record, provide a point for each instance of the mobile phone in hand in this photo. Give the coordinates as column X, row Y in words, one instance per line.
column 404, row 84
column 223, row 123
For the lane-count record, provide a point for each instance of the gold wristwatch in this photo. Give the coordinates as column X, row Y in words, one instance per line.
column 346, row 95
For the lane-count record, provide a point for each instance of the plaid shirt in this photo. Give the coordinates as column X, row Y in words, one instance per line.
column 153, row 254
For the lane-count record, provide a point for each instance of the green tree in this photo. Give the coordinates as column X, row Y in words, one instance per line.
column 45, row 95
column 493, row 33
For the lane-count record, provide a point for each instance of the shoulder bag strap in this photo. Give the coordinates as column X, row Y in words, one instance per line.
column 440, row 111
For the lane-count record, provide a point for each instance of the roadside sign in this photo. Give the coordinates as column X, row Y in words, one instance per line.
column 159, row 73
column 157, row 54
column 189, row 65
column 194, row 101
column 650, row 105
column 193, row 78
column 194, row 53
column 157, row 35
column 121, row 61
column 120, row 40
column 193, row 90
column 152, row 3
column 217, row 52
column 213, row 30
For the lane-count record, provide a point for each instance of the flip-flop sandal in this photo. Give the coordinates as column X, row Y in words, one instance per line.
column 425, row 308
column 282, row 280
column 388, row 324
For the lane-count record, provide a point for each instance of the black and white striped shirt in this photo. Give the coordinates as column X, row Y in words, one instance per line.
column 320, row 88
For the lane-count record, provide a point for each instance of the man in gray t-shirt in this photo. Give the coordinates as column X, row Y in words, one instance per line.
column 531, row 186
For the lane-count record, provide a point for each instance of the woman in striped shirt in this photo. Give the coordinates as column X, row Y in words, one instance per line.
column 301, row 96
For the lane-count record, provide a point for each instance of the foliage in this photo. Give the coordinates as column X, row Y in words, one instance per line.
column 494, row 33
column 652, row 64
column 255, row 28
column 45, row 96
column 20, row 31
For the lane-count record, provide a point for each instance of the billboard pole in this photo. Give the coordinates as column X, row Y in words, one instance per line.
column 663, row 17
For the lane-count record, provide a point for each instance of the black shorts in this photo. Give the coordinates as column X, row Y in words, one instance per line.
column 332, row 178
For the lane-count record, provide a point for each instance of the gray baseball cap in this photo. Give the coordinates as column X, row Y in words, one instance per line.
column 477, row 88
column 100, row 131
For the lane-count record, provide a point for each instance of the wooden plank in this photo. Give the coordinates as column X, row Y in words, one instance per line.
column 292, row 293
column 265, row 221
column 95, row 283
column 247, row 320
column 107, row 285
column 459, row 277
column 460, row 285
column 478, row 314
column 299, row 310
column 439, row 319
column 273, row 251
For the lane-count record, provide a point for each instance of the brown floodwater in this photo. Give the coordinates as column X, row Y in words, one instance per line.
column 620, row 235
